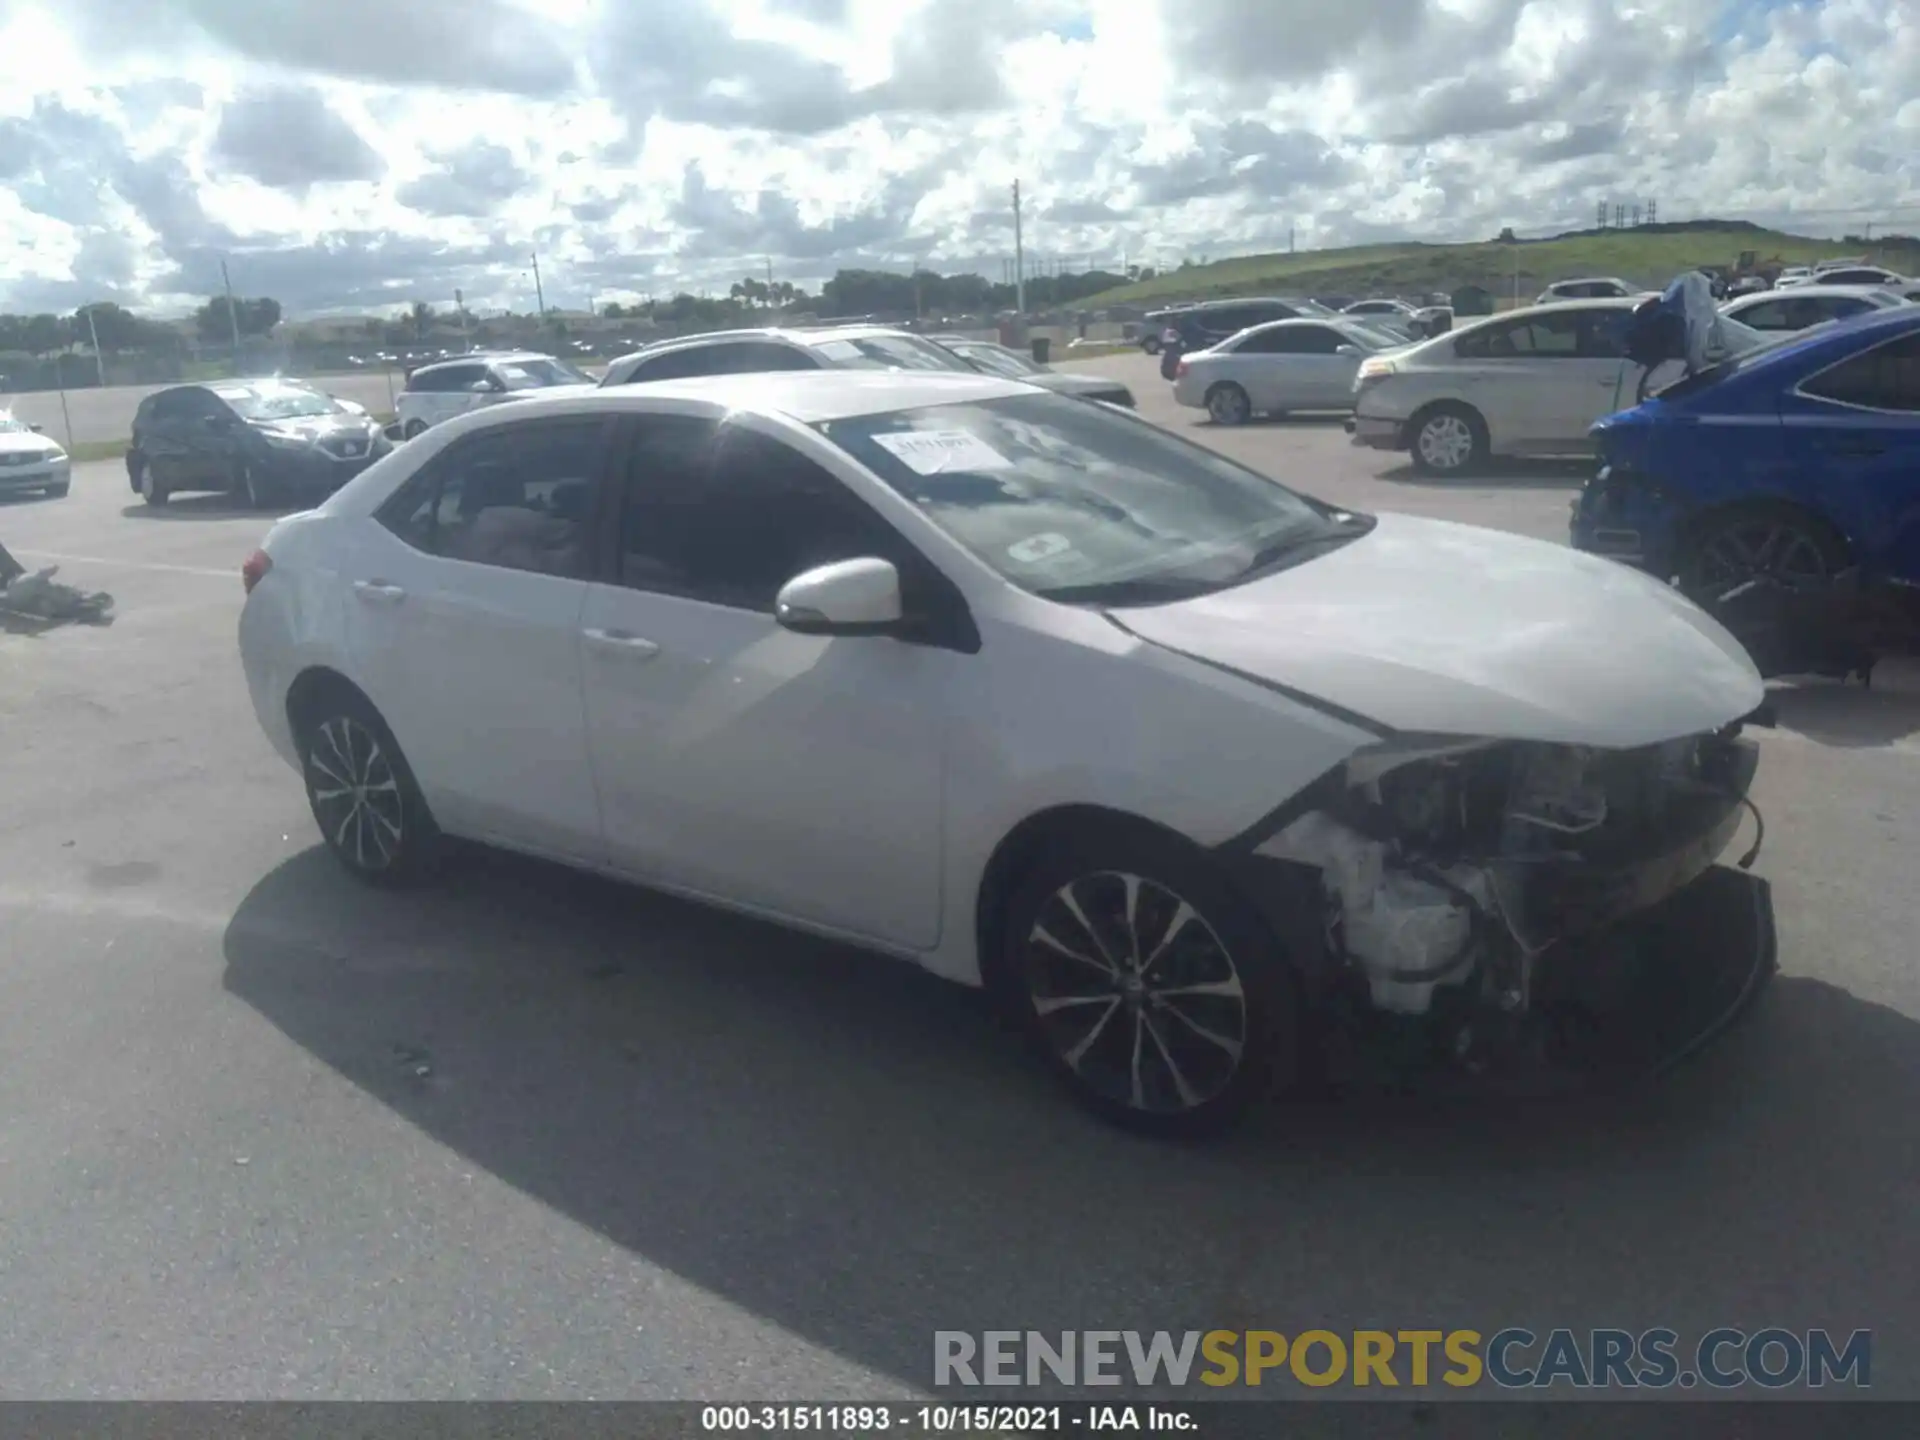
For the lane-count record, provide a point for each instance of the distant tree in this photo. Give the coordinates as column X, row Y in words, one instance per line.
column 613, row 311
column 422, row 317
column 119, row 329
column 256, row 317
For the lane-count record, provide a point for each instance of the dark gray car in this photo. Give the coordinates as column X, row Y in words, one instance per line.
column 999, row 360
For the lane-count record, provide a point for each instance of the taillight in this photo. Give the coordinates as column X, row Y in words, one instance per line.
column 255, row 570
column 1179, row 368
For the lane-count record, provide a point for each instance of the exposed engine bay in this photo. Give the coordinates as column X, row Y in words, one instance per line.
column 1454, row 873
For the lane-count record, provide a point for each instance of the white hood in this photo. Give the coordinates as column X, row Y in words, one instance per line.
column 1429, row 627
column 14, row 442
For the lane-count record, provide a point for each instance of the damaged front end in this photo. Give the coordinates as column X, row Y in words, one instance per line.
column 1493, row 901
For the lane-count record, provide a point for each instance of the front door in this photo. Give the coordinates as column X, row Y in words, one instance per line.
column 799, row 775
column 464, row 622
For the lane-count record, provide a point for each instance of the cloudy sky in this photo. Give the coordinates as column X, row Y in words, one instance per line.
column 348, row 154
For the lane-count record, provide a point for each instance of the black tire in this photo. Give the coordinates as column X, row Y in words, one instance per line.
column 59, row 492
column 1782, row 543
column 1448, row 439
column 413, row 430
column 1228, row 404
column 148, row 488
column 1151, row 345
column 135, row 463
column 249, row 488
column 1204, row 1058
column 361, row 790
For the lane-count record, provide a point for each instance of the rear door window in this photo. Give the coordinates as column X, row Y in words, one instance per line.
column 1886, row 377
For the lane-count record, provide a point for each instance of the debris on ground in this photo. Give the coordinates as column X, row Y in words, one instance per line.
column 38, row 596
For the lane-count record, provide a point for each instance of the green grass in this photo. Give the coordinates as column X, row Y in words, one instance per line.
column 1646, row 257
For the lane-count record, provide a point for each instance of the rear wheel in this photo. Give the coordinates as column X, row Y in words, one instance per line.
column 1228, row 404
column 1148, row 986
column 413, row 429
column 1151, row 345
column 1448, row 440
column 362, row 792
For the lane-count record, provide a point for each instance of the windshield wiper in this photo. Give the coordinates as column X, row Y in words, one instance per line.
column 1290, row 549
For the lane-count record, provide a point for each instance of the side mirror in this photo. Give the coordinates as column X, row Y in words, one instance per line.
column 849, row 597
column 216, row 422
column 481, row 387
column 1346, row 350
column 38, row 429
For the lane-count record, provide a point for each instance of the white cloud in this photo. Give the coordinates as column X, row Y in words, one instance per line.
column 345, row 153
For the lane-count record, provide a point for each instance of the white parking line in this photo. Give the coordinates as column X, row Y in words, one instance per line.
column 155, row 566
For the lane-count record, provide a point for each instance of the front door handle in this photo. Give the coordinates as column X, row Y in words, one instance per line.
column 619, row 642
column 378, row 592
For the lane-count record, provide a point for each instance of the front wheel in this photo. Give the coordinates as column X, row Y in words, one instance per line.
column 151, row 490
column 1778, row 544
column 59, row 492
column 413, row 430
column 1151, row 345
column 1149, row 987
column 362, row 793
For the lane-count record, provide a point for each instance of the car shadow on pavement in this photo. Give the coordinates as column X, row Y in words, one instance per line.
column 1500, row 474
column 858, row 1153
column 1850, row 716
column 202, row 507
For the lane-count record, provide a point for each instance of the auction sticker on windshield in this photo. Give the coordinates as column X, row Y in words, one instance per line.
column 1036, row 548
column 928, row 452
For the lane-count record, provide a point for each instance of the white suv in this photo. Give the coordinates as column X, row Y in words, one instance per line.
column 1602, row 287
column 452, row 387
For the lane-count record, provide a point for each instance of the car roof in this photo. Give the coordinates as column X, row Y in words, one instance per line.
column 483, row 357
column 808, row 396
column 1748, row 302
column 1590, row 280
column 774, row 334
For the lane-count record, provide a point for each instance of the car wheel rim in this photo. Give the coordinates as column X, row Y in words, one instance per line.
column 1445, row 442
column 355, row 793
column 1136, row 993
column 1228, row 405
column 1762, row 550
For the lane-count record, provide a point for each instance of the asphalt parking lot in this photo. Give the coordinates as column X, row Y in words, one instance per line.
column 528, row 1135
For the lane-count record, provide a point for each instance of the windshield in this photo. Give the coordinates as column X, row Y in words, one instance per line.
column 1376, row 332
column 11, row 426
column 998, row 361
column 1082, row 505
column 538, row 374
column 1312, row 307
column 280, row 402
column 890, row 352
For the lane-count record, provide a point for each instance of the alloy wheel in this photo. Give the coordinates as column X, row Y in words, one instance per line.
column 1136, row 993
column 356, row 794
column 1446, row 442
column 1760, row 549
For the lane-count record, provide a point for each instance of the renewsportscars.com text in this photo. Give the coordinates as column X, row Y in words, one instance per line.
column 1512, row 1358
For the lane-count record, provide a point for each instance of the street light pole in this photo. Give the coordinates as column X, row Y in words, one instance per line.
column 1019, row 258
column 233, row 316
column 539, row 295
column 99, row 361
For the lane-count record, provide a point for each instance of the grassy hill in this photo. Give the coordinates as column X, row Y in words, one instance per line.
column 1650, row 255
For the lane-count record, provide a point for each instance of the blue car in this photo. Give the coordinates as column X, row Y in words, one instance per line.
column 1795, row 464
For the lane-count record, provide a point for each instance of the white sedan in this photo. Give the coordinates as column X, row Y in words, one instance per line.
column 1281, row 366
column 1530, row 382
column 30, row 462
column 1187, row 767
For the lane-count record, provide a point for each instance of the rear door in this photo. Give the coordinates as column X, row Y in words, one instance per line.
column 1854, row 432
column 162, row 436
column 1325, row 375
column 1522, row 376
column 464, row 630
column 1262, row 365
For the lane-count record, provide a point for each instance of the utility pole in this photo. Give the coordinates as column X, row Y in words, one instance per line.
column 460, row 308
column 99, row 360
column 1019, row 258
column 233, row 316
column 1289, row 239
column 539, row 295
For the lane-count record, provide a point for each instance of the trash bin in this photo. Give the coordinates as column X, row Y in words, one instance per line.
column 1042, row 347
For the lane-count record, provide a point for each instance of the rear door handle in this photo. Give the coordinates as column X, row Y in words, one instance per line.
column 619, row 642
column 378, row 592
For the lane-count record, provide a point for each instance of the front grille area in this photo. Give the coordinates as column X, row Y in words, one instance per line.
column 346, row 447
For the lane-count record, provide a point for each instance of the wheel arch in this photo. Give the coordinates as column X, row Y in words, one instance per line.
column 314, row 684
column 1448, row 402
